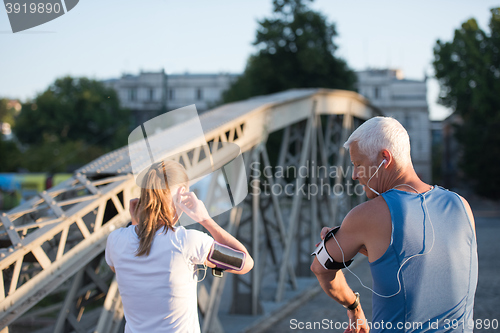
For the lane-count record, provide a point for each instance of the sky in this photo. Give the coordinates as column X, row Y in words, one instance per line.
column 104, row 39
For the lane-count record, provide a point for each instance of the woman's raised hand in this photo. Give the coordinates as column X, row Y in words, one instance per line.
column 192, row 206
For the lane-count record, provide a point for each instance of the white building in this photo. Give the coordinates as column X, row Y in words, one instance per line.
column 406, row 101
column 204, row 90
column 152, row 93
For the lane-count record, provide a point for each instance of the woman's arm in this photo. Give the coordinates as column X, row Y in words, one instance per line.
column 223, row 237
column 195, row 209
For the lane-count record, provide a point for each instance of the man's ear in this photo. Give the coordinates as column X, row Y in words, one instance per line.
column 386, row 155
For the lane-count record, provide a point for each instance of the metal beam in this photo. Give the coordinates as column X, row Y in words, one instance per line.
column 295, row 209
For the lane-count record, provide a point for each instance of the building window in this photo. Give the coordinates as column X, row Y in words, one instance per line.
column 132, row 94
column 407, row 124
column 199, row 94
column 171, row 94
column 151, row 94
column 377, row 92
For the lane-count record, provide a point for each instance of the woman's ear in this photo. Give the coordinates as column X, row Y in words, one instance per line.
column 179, row 191
column 177, row 197
column 177, row 200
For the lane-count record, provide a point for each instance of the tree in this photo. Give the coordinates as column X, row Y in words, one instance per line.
column 68, row 125
column 74, row 109
column 55, row 156
column 468, row 69
column 9, row 110
column 296, row 50
column 9, row 152
column 9, row 155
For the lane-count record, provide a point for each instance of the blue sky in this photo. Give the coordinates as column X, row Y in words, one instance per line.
column 103, row 39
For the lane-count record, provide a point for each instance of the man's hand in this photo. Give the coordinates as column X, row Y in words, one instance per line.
column 357, row 321
column 324, row 231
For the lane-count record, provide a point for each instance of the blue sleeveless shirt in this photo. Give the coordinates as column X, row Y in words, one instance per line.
column 438, row 287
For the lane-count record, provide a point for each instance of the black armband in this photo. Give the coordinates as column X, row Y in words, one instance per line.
column 324, row 257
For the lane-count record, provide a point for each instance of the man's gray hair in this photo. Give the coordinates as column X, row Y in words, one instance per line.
column 380, row 133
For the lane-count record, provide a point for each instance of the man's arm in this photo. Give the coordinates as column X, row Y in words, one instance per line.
column 333, row 282
column 334, row 285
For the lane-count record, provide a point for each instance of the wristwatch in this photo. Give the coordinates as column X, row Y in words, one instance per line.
column 354, row 305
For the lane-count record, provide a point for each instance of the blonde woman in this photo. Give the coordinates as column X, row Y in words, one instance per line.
column 155, row 260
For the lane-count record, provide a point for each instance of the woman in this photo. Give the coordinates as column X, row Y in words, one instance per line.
column 155, row 261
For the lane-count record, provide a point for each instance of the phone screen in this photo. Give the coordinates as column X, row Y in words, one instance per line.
column 228, row 257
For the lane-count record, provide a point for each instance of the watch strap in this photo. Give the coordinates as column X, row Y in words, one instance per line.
column 354, row 305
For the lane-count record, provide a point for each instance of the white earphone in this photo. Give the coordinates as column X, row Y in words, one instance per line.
column 384, row 161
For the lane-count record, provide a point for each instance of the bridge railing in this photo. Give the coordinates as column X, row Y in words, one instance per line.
column 56, row 240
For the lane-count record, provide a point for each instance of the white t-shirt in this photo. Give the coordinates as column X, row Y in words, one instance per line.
column 159, row 291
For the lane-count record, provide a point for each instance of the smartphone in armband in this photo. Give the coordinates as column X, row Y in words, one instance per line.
column 225, row 257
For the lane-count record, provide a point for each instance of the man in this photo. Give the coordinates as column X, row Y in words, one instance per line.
column 419, row 239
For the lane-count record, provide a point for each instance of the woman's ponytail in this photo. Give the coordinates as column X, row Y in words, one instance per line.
column 155, row 208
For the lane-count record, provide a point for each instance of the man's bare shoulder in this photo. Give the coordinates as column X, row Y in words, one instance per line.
column 466, row 204
column 370, row 224
column 469, row 212
column 370, row 211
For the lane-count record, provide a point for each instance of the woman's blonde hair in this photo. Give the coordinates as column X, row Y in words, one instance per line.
column 155, row 208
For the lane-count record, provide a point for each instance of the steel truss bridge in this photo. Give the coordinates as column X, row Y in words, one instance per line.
column 52, row 247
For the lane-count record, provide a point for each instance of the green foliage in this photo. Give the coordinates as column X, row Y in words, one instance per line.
column 10, row 156
column 295, row 50
column 70, row 124
column 468, row 69
column 9, row 152
column 54, row 156
column 8, row 111
column 74, row 109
